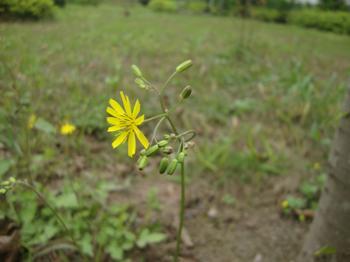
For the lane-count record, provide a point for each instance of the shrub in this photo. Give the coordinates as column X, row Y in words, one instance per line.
column 60, row 3
column 333, row 4
column 197, row 6
column 268, row 15
column 85, row 2
column 144, row 2
column 33, row 9
column 338, row 22
column 163, row 5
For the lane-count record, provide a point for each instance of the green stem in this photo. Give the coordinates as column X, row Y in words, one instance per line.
column 167, row 82
column 181, row 214
column 154, row 117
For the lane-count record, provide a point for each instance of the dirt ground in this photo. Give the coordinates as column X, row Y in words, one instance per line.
column 251, row 229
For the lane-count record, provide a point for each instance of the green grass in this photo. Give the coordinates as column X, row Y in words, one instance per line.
column 266, row 97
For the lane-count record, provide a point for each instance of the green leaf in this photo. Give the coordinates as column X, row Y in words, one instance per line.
column 296, row 203
column 326, row 250
column 147, row 237
column 45, row 126
column 86, row 245
column 66, row 200
column 115, row 251
column 5, row 165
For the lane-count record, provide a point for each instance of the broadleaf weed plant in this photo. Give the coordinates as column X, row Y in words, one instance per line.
column 173, row 146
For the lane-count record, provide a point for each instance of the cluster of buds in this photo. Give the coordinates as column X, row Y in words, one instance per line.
column 7, row 185
column 140, row 80
column 171, row 158
column 169, row 162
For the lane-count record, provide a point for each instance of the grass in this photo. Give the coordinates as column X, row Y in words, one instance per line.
column 266, row 99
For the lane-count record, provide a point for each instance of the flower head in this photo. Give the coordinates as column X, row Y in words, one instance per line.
column 31, row 121
column 67, row 129
column 126, row 122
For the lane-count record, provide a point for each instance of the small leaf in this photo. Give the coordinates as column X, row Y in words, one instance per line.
column 67, row 200
column 326, row 250
column 45, row 126
column 147, row 237
column 5, row 165
column 115, row 251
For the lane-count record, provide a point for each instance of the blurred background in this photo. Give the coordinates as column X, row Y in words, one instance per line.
column 268, row 80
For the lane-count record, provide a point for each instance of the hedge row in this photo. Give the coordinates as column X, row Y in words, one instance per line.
column 33, row 9
column 334, row 21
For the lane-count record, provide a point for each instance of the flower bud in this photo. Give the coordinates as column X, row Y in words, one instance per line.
column 142, row 152
column 140, row 83
column 167, row 150
column 163, row 165
column 183, row 66
column 172, row 167
column 162, row 143
column 181, row 157
column 12, row 180
column 5, row 183
column 152, row 150
column 186, row 92
column 166, row 136
column 142, row 163
column 2, row 191
column 136, row 70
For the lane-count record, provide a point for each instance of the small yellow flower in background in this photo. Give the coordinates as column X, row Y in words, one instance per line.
column 317, row 166
column 125, row 122
column 31, row 121
column 67, row 129
column 285, row 204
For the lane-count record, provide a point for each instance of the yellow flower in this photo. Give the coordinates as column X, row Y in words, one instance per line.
column 31, row 121
column 67, row 129
column 285, row 204
column 317, row 166
column 125, row 122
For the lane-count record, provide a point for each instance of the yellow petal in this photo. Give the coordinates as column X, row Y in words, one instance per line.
column 143, row 139
column 114, row 128
column 136, row 110
column 112, row 112
column 126, row 103
column 116, row 106
column 131, row 144
column 113, row 121
column 120, row 139
column 140, row 120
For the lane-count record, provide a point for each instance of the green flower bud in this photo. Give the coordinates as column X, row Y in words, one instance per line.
column 2, row 191
column 142, row 152
column 162, row 143
column 136, row 70
column 172, row 167
column 152, row 150
column 186, row 92
column 181, row 157
column 12, row 180
column 5, row 183
column 166, row 136
column 142, row 163
column 167, row 150
column 163, row 165
column 140, row 83
column 183, row 66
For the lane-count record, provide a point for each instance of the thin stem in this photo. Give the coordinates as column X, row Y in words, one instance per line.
column 154, row 117
column 181, row 214
column 156, row 129
column 167, row 82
